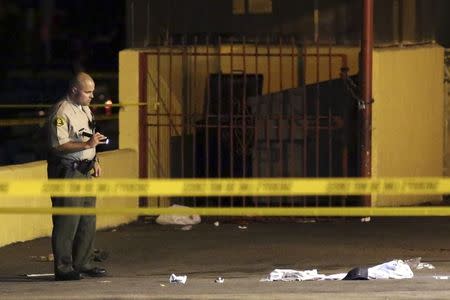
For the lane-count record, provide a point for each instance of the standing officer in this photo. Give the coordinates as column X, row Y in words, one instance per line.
column 72, row 155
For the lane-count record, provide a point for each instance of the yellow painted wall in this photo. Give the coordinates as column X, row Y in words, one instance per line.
column 15, row 228
column 117, row 164
column 129, row 93
column 408, row 116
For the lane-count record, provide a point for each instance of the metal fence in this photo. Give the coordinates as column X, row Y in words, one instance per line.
column 232, row 108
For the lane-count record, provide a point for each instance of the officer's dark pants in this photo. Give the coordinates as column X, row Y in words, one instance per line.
column 73, row 235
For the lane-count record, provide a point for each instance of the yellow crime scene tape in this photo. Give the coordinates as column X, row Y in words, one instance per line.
column 197, row 187
column 242, row 211
column 230, row 187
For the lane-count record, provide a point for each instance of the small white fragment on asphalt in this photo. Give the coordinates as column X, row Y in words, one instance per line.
column 425, row 266
column 178, row 279
column 242, row 227
column 114, row 230
column 216, row 223
column 105, row 281
column 42, row 258
column 306, row 221
column 219, row 280
column 163, row 285
column 441, row 277
column 186, row 228
column 39, row 275
column 366, row 219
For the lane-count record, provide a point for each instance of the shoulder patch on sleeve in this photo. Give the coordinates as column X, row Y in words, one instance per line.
column 59, row 121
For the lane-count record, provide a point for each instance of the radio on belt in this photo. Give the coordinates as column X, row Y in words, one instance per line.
column 87, row 134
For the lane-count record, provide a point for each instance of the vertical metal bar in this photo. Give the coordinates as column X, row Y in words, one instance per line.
column 330, row 115
column 219, row 118
column 366, row 90
column 169, row 109
column 231, row 114
column 171, row 84
column 293, row 118
column 184, row 62
column 270, row 117
column 244, row 116
column 268, row 65
column 143, row 128
column 169, row 18
column 208, row 100
column 345, row 133
column 192, row 114
column 158, row 127
column 282, row 117
column 147, row 36
column 317, row 137
column 305, row 118
column 256, row 122
column 316, row 21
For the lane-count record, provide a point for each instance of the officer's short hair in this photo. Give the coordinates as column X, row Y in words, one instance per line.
column 76, row 80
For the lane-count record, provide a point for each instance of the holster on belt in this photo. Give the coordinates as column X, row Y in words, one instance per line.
column 83, row 166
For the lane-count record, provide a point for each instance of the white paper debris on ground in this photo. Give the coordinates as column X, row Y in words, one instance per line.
column 39, row 275
column 216, row 223
column 441, row 277
column 43, row 258
column 395, row 269
column 294, row 275
column 365, row 219
column 192, row 219
column 306, row 221
column 178, row 279
column 242, row 227
column 219, row 280
column 186, row 228
column 425, row 266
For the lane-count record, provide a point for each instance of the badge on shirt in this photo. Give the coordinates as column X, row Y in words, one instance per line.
column 59, row 121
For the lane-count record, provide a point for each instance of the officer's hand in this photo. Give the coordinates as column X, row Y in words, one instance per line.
column 97, row 170
column 96, row 139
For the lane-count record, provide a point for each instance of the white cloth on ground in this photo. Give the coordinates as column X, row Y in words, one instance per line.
column 395, row 269
column 294, row 275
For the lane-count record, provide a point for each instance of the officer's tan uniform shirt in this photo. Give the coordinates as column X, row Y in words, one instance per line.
column 67, row 122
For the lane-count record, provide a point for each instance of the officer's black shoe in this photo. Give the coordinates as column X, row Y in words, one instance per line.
column 72, row 275
column 94, row 272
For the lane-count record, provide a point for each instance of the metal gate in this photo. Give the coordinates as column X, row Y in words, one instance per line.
column 232, row 108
